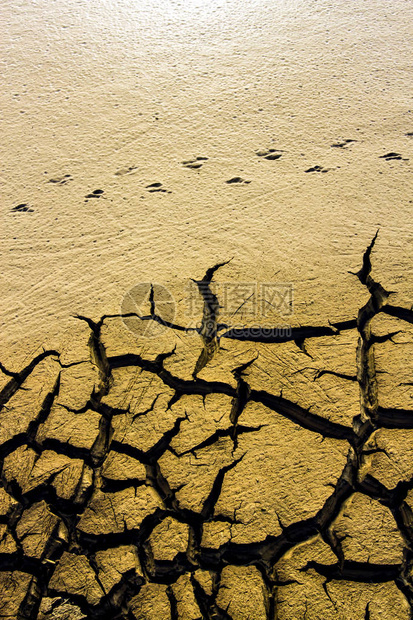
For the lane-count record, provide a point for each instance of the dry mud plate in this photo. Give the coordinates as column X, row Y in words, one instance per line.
column 261, row 477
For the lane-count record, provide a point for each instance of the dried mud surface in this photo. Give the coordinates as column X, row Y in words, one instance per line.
column 260, row 479
column 146, row 141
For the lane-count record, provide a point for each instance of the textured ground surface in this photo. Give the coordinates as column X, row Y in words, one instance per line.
column 136, row 486
column 221, row 472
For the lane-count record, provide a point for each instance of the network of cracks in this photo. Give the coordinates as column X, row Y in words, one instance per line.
column 132, row 487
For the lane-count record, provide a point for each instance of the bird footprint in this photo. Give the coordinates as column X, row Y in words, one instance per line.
column 95, row 194
column 24, row 207
column 237, row 180
column 123, row 171
column 343, row 145
column 157, row 187
column 270, row 154
column 317, row 169
column 61, row 180
column 194, row 164
column 392, row 156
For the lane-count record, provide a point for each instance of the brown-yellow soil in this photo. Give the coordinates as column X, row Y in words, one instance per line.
column 206, row 356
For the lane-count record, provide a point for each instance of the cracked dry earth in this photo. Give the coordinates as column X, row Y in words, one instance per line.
column 137, row 484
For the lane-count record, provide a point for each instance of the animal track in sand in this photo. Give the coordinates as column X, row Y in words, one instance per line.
column 343, row 144
column 97, row 193
column 22, row 208
column 271, row 154
column 317, row 169
column 157, row 187
column 123, row 171
column 61, row 180
column 238, row 180
column 392, row 157
column 195, row 164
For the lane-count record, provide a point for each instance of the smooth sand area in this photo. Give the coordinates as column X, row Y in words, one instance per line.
column 116, row 95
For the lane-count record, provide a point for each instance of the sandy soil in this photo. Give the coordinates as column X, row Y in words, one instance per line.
column 245, row 475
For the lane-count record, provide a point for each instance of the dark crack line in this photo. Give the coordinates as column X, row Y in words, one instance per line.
column 340, row 375
column 219, row 434
column 208, row 331
column 366, row 368
column 363, row 572
column 302, row 417
column 210, row 502
column 280, row 405
column 272, row 335
column 394, row 418
column 403, row 314
column 19, row 378
column 240, row 401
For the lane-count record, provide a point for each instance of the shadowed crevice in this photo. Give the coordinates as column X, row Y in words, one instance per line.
column 18, row 378
column 208, row 331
